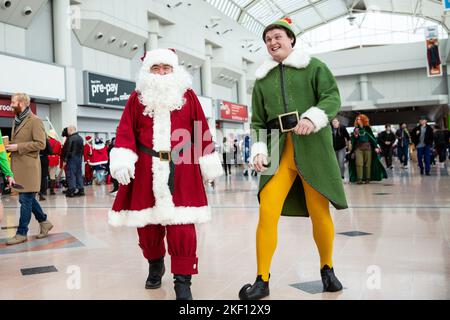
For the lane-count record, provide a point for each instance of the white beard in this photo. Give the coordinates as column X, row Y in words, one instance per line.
column 163, row 92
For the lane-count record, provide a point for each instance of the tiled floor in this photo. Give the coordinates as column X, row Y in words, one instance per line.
column 405, row 255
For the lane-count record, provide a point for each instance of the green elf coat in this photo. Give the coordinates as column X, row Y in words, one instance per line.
column 377, row 170
column 310, row 89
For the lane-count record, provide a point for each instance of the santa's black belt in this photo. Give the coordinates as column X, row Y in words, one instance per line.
column 162, row 156
column 284, row 122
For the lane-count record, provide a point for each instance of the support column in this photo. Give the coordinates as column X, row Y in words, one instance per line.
column 364, row 86
column 152, row 42
column 65, row 113
column 207, row 72
column 243, row 91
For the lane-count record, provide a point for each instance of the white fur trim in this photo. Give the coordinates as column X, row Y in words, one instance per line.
column 163, row 216
column 99, row 146
column 120, row 158
column 160, row 56
column 211, row 166
column 161, row 169
column 97, row 163
column 317, row 116
column 298, row 59
column 258, row 148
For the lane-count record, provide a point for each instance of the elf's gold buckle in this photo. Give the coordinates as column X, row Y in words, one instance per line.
column 164, row 156
column 291, row 119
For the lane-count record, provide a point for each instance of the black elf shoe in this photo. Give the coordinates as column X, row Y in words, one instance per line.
column 329, row 280
column 156, row 270
column 258, row 290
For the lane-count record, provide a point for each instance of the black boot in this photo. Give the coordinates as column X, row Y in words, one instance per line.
column 52, row 187
column 258, row 290
column 329, row 280
column 156, row 270
column 183, row 287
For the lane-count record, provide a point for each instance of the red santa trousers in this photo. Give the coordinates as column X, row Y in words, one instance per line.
column 181, row 242
column 88, row 172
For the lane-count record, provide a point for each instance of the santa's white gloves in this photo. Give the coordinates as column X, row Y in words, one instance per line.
column 121, row 165
column 124, row 176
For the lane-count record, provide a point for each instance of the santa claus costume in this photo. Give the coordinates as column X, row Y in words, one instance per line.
column 163, row 154
column 87, row 152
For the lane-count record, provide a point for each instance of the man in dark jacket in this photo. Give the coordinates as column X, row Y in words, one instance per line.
column 73, row 158
column 440, row 143
column 403, row 142
column 43, row 154
column 422, row 137
column 341, row 140
column 386, row 140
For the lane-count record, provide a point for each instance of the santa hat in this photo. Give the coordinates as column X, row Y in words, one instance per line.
column 88, row 138
column 160, row 56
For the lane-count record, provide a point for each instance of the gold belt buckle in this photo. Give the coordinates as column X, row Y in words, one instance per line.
column 284, row 115
column 164, row 156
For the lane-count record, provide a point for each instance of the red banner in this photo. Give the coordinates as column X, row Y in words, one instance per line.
column 233, row 111
column 6, row 110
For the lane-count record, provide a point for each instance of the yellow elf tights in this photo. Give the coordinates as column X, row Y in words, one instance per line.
column 271, row 203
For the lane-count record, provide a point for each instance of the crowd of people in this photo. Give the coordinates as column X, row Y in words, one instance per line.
column 165, row 198
column 363, row 151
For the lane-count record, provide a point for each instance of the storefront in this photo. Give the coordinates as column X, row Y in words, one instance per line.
column 105, row 98
column 7, row 115
column 231, row 118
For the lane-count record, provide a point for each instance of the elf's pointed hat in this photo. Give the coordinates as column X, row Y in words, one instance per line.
column 285, row 23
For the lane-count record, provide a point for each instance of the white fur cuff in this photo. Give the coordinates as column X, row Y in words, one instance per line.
column 317, row 116
column 122, row 158
column 211, row 166
column 258, row 148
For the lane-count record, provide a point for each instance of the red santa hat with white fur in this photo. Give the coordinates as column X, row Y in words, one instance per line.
column 160, row 56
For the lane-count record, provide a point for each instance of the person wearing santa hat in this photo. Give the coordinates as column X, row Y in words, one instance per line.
column 163, row 155
column 53, row 158
column 87, row 153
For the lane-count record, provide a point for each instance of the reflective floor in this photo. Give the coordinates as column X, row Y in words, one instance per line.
column 392, row 243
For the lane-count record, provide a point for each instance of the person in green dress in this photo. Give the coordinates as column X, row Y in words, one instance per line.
column 365, row 164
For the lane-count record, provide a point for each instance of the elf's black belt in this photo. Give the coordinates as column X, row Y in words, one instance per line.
column 285, row 122
column 162, row 156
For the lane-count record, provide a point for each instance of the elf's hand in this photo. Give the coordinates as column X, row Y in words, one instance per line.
column 304, row 127
column 260, row 163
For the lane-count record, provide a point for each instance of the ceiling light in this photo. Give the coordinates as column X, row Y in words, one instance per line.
column 99, row 35
column 135, row 47
column 6, row 4
column 112, row 39
column 27, row 11
column 124, row 44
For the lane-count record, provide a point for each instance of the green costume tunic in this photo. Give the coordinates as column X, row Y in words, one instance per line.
column 311, row 89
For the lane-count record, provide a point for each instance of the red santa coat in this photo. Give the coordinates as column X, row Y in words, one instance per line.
column 87, row 152
column 53, row 159
column 99, row 155
column 147, row 199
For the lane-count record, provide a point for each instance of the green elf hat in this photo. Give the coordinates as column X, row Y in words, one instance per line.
column 286, row 24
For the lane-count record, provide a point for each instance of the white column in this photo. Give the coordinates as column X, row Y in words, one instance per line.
column 243, row 84
column 207, row 72
column 65, row 113
column 364, row 86
column 152, row 42
column 243, row 93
